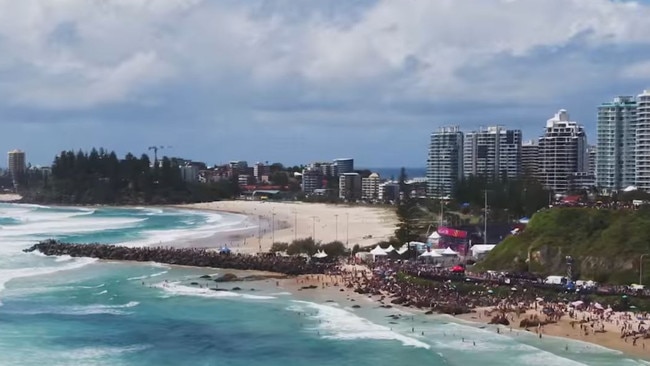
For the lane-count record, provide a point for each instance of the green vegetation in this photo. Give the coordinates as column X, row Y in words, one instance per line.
column 506, row 197
column 606, row 245
column 308, row 246
column 99, row 177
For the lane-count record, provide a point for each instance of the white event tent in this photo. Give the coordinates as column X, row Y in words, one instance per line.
column 449, row 252
column 378, row 252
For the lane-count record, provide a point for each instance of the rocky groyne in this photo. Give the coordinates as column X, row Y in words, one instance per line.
column 183, row 256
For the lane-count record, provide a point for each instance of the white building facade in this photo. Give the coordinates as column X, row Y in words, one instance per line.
column 445, row 161
column 615, row 153
column 642, row 150
column 562, row 151
column 492, row 152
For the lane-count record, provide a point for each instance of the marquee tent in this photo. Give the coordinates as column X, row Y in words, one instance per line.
column 378, row 251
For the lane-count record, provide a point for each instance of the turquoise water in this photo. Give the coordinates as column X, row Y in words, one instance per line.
column 68, row 311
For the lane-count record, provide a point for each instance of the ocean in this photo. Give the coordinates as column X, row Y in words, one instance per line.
column 76, row 311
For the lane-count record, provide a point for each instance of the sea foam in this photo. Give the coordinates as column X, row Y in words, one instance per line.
column 174, row 288
column 337, row 323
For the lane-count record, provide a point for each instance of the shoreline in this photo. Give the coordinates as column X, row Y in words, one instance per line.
column 287, row 221
column 610, row 339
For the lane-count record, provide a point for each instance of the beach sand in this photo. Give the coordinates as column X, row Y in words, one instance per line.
column 9, row 197
column 611, row 338
column 363, row 225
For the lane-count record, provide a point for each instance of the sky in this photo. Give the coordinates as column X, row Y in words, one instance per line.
column 306, row 80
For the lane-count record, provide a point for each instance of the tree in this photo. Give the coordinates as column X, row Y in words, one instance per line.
column 334, row 249
column 279, row 247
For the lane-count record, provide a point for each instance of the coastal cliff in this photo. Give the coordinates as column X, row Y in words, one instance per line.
column 605, row 245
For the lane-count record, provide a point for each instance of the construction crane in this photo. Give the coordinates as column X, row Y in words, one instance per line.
column 155, row 151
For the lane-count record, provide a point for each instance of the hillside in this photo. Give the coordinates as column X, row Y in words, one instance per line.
column 605, row 245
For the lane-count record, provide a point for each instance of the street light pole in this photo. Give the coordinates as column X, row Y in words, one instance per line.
column 295, row 225
column 347, row 229
column 641, row 268
column 485, row 219
column 273, row 229
column 259, row 232
column 336, row 235
column 313, row 228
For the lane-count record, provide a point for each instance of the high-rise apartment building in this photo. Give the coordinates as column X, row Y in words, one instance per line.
column 16, row 162
column 370, row 187
column 592, row 154
column 530, row 159
column 492, row 152
column 445, row 161
column 344, row 166
column 615, row 154
column 312, row 179
column 562, row 152
column 642, row 151
column 350, row 186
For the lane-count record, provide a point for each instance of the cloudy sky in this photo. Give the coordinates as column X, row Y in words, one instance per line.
column 302, row 80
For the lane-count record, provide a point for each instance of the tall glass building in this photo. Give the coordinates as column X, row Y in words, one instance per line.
column 642, row 150
column 445, row 161
column 615, row 156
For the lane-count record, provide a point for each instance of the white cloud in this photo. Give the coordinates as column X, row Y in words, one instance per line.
column 81, row 54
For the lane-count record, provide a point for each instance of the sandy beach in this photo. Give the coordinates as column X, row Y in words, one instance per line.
column 9, row 197
column 286, row 221
column 610, row 338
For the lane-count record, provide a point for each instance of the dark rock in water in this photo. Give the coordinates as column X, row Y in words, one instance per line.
column 341, row 290
column 205, row 276
column 236, row 289
column 218, row 289
column 252, row 289
column 310, row 287
column 386, row 306
column 429, row 312
column 329, row 301
column 392, row 323
column 194, row 283
column 228, row 277
column 356, row 306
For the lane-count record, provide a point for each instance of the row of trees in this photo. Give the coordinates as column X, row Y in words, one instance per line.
column 507, row 199
column 310, row 247
column 100, row 177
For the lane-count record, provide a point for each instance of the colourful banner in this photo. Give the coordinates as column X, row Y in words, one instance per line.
column 454, row 233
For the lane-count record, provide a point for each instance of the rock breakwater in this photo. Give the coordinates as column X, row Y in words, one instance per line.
column 183, row 256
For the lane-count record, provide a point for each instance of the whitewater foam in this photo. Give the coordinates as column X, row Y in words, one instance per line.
column 174, row 288
column 147, row 276
column 337, row 323
column 80, row 310
column 7, row 275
